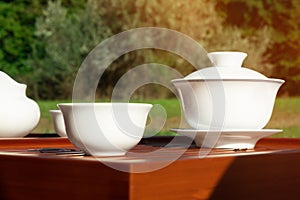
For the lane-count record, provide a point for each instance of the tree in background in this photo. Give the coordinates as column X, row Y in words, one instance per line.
column 283, row 17
column 197, row 18
column 63, row 32
column 63, row 40
column 16, row 35
column 18, row 42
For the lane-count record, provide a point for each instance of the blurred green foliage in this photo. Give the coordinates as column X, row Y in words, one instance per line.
column 43, row 43
column 16, row 33
column 63, row 40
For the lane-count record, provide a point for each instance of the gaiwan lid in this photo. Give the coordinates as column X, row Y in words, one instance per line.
column 226, row 65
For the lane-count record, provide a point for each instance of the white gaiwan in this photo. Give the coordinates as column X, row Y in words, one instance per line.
column 19, row 115
column 227, row 96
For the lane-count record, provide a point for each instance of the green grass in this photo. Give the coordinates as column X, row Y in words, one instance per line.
column 286, row 116
column 45, row 124
column 289, row 132
column 289, row 105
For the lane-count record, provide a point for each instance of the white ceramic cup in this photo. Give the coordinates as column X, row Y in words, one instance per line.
column 105, row 129
column 58, row 122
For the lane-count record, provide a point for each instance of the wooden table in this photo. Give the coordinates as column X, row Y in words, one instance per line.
column 29, row 171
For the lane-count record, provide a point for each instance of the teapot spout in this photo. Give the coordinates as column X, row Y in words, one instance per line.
column 10, row 87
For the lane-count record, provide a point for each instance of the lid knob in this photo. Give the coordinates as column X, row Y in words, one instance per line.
column 227, row 58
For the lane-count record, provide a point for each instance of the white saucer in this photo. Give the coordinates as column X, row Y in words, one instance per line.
column 232, row 139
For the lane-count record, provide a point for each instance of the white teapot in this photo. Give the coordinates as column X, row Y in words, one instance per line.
column 19, row 114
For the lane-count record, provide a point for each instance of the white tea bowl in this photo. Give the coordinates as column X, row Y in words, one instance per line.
column 227, row 96
column 227, row 104
column 105, row 129
column 58, row 122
